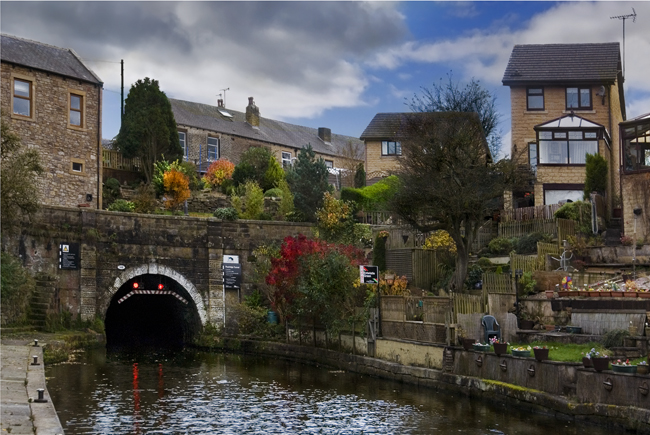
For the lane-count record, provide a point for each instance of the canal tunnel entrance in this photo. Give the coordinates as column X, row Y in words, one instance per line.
column 151, row 311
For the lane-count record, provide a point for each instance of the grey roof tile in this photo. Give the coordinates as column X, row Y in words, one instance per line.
column 207, row 117
column 563, row 63
column 37, row 55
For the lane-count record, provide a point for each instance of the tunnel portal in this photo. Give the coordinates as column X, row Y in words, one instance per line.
column 151, row 311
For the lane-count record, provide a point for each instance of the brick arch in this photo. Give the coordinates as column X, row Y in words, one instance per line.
column 157, row 269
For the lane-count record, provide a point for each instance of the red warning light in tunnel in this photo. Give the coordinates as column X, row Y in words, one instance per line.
column 161, row 286
column 136, row 285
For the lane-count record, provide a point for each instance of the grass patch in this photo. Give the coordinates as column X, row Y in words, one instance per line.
column 566, row 352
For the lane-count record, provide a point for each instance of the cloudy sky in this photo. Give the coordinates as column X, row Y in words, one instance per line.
column 322, row 64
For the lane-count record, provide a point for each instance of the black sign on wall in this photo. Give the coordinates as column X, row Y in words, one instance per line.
column 69, row 258
column 231, row 275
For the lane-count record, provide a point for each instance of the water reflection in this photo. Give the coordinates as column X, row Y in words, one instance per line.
column 201, row 393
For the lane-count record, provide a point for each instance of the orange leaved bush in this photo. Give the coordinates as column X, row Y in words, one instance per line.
column 219, row 171
column 177, row 188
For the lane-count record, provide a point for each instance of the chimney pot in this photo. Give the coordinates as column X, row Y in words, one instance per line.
column 220, row 102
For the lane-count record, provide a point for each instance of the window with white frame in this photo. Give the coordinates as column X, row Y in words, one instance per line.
column 566, row 147
column 183, row 142
column 286, row 160
column 532, row 156
column 213, row 149
column 391, row 148
column 329, row 164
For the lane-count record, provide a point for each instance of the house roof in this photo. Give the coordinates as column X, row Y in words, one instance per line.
column 211, row 118
column 569, row 121
column 563, row 63
column 33, row 54
column 387, row 126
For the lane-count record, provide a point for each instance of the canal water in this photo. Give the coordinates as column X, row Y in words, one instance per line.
column 193, row 392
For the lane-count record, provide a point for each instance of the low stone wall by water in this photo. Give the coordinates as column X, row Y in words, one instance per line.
column 564, row 390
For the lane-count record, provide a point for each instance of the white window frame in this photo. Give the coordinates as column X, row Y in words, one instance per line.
column 391, row 148
column 286, row 159
column 329, row 164
column 215, row 146
column 182, row 138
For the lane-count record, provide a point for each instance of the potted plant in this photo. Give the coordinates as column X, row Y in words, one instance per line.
column 481, row 347
column 521, row 351
column 541, row 352
column 500, row 346
column 571, row 329
column 623, row 366
column 526, row 321
column 642, row 368
column 600, row 362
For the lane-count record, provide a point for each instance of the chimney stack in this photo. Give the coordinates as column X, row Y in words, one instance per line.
column 325, row 134
column 220, row 102
column 252, row 113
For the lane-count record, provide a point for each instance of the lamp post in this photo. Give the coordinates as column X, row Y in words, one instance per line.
column 518, row 275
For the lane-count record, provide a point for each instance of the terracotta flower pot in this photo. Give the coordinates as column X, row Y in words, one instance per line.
column 586, row 362
column 600, row 364
column 643, row 295
column 563, row 293
column 629, row 294
column 605, row 294
column 549, row 327
column 541, row 354
column 500, row 348
column 594, row 294
column 549, row 294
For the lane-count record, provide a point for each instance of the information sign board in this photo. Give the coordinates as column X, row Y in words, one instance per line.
column 369, row 274
column 69, row 258
column 231, row 275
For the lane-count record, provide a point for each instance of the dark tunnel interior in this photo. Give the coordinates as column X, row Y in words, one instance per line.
column 151, row 320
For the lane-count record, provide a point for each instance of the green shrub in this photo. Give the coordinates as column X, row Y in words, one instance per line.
column 474, row 276
column 253, row 201
column 144, row 200
column 500, row 246
column 17, row 288
column 379, row 252
column 578, row 211
column 360, row 176
column 286, row 200
column 228, row 187
column 276, row 192
column 595, row 175
column 485, row 263
column 528, row 244
column 527, row 284
column 226, row 214
column 110, row 191
column 615, row 338
column 122, row 205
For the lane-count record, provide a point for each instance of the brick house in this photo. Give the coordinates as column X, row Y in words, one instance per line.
column 635, row 176
column 567, row 100
column 52, row 100
column 208, row 133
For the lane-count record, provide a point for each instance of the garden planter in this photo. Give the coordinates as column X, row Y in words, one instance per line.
column 549, row 327
column 600, row 364
column 605, row 294
column 594, row 294
column 623, row 369
column 468, row 343
column 563, row 293
column 642, row 369
column 618, row 294
column 549, row 294
column 629, row 294
column 528, row 324
column 481, row 347
column 500, row 348
column 643, row 295
column 524, row 353
column 574, row 329
column 272, row 317
column 541, row 354
column 586, row 362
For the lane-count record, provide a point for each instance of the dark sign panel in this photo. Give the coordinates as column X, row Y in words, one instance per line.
column 369, row 274
column 231, row 275
column 69, row 258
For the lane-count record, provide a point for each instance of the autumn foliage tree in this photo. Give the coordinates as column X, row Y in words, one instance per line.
column 219, row 171
column 177, row 189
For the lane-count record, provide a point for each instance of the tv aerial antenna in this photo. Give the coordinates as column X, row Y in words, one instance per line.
column 625, row 17
column 223, row 92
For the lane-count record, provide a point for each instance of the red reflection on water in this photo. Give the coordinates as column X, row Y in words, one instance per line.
column 136, row 399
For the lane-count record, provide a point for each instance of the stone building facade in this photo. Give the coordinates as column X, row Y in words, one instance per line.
column 559, row 92
column 53, row 102
column 208, row 133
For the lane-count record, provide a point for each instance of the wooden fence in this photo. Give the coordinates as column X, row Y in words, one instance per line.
column 521, row 228
column 497, row 283
column 115, row 160
column 527, row 263
column 420, row 266
column 565, row 228
column 468, row 304
column 530, row 213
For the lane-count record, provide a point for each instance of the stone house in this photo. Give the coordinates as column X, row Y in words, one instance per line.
column 208, row 133
column 566, row 100
column 53, row 101
column 382, row 138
